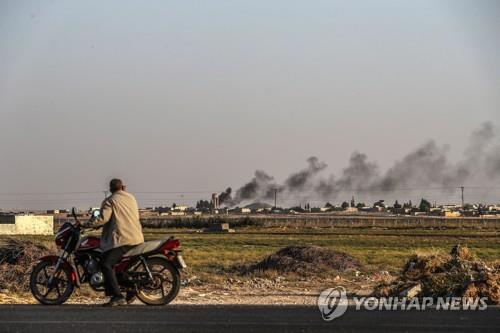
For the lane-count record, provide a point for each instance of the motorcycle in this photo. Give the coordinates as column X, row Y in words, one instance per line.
column 150, row 271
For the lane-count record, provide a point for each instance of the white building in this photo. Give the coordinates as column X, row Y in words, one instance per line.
column 26, row 225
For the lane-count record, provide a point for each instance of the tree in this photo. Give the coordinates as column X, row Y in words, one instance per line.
column 345, row 205
column 297, row 209
column 203, row 205
column 353, row 203
column 328, row 205
column 360, row 205
column 397, row 205
column 425, row 206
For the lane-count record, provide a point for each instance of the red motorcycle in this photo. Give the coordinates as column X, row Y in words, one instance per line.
column 150, row 271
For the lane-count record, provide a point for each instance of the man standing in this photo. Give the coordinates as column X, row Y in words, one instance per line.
column 121, row 231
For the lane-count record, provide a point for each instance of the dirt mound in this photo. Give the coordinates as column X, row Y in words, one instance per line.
column 458, row 274
column 17, row 257
column 305, row 260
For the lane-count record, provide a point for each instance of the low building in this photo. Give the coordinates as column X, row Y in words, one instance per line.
column 180, row 208
column 451, row 214
column 219, row 227
column 17, row 224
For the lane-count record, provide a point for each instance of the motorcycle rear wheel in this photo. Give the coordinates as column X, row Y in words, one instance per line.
column 166, row 284
column 61, row 287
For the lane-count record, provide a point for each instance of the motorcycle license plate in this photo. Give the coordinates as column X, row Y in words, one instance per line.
column 181, row 261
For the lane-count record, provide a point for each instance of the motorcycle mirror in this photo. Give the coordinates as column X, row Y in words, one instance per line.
column 73, row 212
column 96, row 213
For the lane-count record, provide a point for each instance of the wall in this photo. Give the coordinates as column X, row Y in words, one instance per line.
column 26, row 225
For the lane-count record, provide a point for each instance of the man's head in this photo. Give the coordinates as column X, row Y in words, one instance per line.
column 116, row 185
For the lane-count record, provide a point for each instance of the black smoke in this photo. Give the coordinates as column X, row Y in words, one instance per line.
column 426, row 167
column 225, row 197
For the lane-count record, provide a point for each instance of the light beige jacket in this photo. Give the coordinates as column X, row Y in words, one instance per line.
column 120, row 221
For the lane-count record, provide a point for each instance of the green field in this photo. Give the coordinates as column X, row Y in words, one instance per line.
column 212, row 256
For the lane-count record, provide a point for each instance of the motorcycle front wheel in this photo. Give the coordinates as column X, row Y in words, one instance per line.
column 53, row 292
column 165, row 285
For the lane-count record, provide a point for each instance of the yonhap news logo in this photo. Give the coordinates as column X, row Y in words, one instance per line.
column 332, row 303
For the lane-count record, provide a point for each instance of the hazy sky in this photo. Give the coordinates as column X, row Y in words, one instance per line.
column 196, row 95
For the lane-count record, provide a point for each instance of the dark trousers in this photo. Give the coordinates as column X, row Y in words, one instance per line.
column 108, row 260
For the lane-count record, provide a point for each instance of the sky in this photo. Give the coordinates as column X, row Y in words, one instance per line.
column 194, row 96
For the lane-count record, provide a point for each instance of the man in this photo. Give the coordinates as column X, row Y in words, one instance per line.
column 121, row 231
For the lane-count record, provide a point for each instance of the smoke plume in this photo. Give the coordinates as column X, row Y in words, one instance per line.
column 427, row 167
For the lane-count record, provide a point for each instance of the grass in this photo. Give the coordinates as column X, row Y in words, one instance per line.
column 212, row 256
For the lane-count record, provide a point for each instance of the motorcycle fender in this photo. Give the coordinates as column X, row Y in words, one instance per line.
column 177, row 261
column 53, row 259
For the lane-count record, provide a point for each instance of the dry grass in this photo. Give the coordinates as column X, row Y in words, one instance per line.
column 459, row 273
column 16, row 259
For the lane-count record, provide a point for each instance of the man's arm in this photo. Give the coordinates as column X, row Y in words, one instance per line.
column 106, row 213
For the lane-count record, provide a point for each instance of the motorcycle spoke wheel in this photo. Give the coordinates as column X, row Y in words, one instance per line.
column 165, row 285
column 50, row 292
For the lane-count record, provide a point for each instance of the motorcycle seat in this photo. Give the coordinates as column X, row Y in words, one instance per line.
column 145, row 247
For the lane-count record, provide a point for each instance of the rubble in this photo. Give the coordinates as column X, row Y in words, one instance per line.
column 411, row 291
column 458, row 274
column 305, row 260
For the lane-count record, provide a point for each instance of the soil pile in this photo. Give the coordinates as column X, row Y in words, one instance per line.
column 459, row 274
column 17, row 257
column 305, row 260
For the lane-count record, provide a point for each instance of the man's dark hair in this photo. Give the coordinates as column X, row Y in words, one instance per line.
column 115, row 185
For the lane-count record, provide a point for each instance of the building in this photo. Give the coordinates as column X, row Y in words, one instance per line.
column 26, row 224
column 239, row 210
column 180, row 208
column 448, row 213
column 215, row 201
column 350, row 210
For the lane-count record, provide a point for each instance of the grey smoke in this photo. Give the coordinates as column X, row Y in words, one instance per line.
column 479, row 154
column 261, row 186
column 301, row 180
column 359, row 172
column 426, row 167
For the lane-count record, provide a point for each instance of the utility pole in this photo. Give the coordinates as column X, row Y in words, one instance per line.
column 463, row 201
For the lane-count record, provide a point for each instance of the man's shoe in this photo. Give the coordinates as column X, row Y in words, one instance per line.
column 130, row 297
column 116, row 301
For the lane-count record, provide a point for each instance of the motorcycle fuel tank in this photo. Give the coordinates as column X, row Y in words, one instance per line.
column 89, row 243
